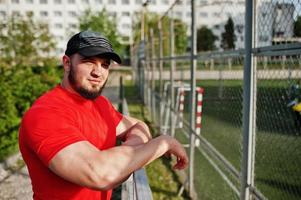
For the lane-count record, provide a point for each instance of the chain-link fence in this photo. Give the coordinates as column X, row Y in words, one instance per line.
column 246, row 123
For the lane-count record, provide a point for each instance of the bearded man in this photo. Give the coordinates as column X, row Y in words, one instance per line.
column 68, row 137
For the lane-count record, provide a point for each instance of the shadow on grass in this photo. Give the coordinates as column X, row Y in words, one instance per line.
column 292, row 189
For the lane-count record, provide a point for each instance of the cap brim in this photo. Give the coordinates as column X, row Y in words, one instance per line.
column 98, row 51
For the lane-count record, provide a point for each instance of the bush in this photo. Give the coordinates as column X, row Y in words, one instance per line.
column 20, row 87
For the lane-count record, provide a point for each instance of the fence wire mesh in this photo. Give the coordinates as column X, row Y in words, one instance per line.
column 278, row 127
column 276, row 112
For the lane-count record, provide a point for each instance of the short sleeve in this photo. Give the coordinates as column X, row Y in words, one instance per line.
column 110, row 111
column 47, row 131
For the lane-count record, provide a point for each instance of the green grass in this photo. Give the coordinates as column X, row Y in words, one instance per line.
column 162, row 180
column 277, row 168
column 278, row 161
column 278, row 141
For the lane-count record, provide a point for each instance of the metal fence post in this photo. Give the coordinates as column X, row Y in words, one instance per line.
column 247, row 168
column 141, row 67
column 139, row 77
column 192, row 96
column 143, row 81
column 172, row 68
column 153, row 64
column 149, row 76
column 160, row 70
column 160, row 57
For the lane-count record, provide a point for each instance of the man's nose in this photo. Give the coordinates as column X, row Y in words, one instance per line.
column 97, row 70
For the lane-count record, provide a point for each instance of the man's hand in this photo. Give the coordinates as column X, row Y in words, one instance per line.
column 174, row 148
column 136, row 135
column 177, row 150
column 133, row 131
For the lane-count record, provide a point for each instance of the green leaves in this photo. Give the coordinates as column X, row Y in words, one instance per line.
column 297, row 27
column 228, row 37
column 205, row 39
column 26, row 71
column 24, row 42
column 151, row 22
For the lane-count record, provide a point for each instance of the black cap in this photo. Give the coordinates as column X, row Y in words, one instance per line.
column 89, row 43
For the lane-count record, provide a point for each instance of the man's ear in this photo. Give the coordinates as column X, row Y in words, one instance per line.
column 66, row 63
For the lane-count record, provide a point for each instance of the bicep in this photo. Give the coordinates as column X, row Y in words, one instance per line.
column 83, row 164
column 73, row 163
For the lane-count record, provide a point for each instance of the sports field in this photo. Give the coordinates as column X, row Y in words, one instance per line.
column 278, row 140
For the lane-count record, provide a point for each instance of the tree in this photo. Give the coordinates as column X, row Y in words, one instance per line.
column 151, row 21
column 25, row 42
column 180, row 36
column 297, row 27
column 205, row 39
column 101, row 22
column 228, row 37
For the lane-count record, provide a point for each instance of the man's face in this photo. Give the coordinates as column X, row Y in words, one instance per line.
column 88, row 76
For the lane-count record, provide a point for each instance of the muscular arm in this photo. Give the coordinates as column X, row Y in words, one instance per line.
column 85, row 165
column 132, row 131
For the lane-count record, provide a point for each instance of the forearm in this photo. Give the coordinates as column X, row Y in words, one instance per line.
column 102, row 170
column 138, row 134
column 121, row 161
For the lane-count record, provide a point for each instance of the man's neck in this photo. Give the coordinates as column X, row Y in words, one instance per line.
column 67, row 86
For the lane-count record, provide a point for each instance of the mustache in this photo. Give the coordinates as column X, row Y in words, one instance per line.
column 86, row 93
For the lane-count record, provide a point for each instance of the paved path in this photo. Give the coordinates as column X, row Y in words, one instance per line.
column 14, row 182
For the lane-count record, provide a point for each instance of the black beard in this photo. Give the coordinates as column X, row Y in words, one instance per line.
column 82, row 91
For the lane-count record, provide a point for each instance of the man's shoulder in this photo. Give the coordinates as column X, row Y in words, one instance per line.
column 51, row 97
column 51, row 100
column 102, row 99
column 103, row 102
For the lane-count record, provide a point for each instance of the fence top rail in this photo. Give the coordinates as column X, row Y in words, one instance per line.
column 139, row 184
column 142, row 188
column 279, row 47
column 201, row 56
column 275, row 50
column 136, row 187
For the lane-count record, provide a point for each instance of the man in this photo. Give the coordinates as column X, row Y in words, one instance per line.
column 67, row 138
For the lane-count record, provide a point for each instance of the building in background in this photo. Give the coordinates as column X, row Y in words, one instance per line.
column 275, row 19
column 62, row 16
column 275, row 22
column 214, row 14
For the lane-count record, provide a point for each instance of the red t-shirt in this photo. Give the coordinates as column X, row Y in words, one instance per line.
column 57, row 119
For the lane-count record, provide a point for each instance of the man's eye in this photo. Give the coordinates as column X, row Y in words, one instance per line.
column 106, row 65
column 89, row 63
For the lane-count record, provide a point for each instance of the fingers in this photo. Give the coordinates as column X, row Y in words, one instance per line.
column 182, row 163
column 176, row 149
column 182, row 158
